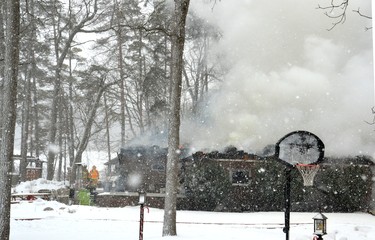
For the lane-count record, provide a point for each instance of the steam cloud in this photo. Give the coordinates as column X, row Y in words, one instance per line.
column 288, row 73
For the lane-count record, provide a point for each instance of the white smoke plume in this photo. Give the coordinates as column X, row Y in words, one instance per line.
column 288, row 73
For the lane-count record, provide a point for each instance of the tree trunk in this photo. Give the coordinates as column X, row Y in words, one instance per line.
column 33, row 125
column 178, row 41
column 108, row 136
column 2, row 55
column 140, row 84
column 25, row 125
column 87, row 131
column 61, row 131
column 70, row 120
column 9, row 113
column 122, row 75
column 36, row 118
column 130, row 121
column 55, row 102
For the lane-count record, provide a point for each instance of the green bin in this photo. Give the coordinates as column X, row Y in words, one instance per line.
column 84, row 197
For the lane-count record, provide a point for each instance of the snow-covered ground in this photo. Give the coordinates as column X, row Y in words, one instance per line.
column 51, row 220
column 56, row 221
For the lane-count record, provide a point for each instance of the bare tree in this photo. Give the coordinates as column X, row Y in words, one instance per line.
column 198, row 70
column 120, row 39
column 90, row 120
column 62, row 48
column 8, row 112
column 337, row 11
column 181, row 8
column 29, row 70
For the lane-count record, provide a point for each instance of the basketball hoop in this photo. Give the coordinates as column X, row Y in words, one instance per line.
column 308, row 172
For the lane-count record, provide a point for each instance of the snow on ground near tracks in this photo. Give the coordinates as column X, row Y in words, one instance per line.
column 50, row 220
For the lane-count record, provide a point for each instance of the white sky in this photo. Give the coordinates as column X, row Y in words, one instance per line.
column 289, row 73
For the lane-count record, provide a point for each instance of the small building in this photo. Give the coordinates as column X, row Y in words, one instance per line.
column 34, row 168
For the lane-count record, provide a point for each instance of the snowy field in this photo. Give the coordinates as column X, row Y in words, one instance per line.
column 50, row 220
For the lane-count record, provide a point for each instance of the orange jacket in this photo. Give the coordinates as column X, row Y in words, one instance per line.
column 94, row 174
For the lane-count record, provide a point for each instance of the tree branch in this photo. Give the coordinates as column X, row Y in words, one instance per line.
column 340, row 17
column 364, row 16
column 337, row 11
column 361, row 14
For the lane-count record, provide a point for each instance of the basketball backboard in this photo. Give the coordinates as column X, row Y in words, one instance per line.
column 299, row 147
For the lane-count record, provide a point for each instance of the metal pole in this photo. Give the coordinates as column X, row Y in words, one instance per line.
column 141, row 223
column 287, row 202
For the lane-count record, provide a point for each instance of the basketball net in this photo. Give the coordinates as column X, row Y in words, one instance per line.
column 308, row 172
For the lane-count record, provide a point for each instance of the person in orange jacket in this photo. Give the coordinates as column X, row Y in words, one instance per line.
column 94, row 177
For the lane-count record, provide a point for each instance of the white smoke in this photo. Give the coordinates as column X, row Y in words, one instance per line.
column 288, row 73
column 135, row 179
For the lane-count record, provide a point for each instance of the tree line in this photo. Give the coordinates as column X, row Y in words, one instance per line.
column 89, row 66
column 71, row 71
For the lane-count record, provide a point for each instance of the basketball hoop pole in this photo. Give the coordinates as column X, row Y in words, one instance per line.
column 287, row 201
column 303, row 150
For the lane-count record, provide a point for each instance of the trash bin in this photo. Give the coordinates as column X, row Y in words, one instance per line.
column 84, row 197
